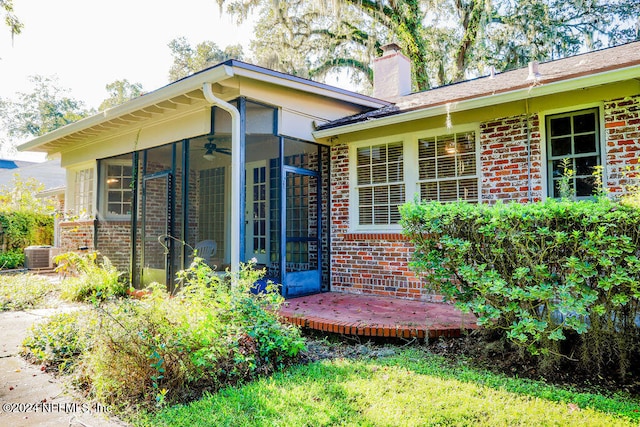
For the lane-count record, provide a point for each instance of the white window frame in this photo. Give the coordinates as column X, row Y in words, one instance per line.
column 544, row 158
column 73, row 205
column 411, row 172
column 354, row 193
column 104, row 193
column 435, row 133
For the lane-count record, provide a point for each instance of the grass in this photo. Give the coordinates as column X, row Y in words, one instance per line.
column 25, row 291
column 411, row 388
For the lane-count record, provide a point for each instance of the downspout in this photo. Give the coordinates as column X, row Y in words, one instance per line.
column 236, row 191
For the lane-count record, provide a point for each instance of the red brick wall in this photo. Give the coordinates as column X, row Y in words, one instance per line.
column 622, row 129
column 114, row 242
column 508, row 171
column 76, row 234
column 366, row 263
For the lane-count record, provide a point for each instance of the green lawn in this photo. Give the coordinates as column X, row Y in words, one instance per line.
column 412, row 388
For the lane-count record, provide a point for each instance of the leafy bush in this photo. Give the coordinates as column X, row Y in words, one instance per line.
column 168, row 348
column 12, row 259
column 87, row 279
column 23, row 291
column 20, row 229
column 540, row 272
column 58, row 342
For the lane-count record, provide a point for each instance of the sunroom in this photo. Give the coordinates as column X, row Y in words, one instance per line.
column 221, row 164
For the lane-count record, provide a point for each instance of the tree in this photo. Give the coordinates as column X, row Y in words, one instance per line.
column 10, row 19
column 120, row 91
column 188, row 60
column 446, row 40
column 43, row 110
column 21, row 195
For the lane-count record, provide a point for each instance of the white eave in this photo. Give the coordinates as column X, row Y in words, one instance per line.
column 182, row 92
column 540, row 88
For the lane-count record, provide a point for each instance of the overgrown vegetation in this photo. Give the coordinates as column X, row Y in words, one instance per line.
column 170, row 348
column 60, row 341
column 25, row 220
column 88, row 279
column 24, row 291
column 412, row 387
column 21, row 229
column 560, row 278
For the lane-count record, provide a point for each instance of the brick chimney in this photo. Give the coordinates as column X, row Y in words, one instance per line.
column 391, row 73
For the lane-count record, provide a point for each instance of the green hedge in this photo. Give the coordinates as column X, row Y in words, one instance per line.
column 20, row 229
column 558, row 277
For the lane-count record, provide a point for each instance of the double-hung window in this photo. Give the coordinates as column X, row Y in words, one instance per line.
column 447, row 167
column 574, row 136
column 380, row 183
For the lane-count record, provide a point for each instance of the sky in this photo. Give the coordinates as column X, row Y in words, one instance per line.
column 88, row 44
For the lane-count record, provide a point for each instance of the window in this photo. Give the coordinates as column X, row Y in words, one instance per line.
column 83, row 192
column 573, row 136
column 380, row 183
column 447, row 167
column 118, row 189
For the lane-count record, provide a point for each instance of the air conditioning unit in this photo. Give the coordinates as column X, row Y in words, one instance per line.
column 36, row 257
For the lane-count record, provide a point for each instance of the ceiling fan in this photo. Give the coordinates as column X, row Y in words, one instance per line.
column 212, row 148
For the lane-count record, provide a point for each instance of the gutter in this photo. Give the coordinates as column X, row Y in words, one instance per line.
column 178, row 88
column 236, row 191
column 485, row 101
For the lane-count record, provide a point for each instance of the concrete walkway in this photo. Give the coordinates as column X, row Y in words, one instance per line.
column 376, row 316
column 31, row 397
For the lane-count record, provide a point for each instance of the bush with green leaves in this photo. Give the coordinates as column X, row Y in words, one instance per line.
column 167, row 348
column 11, row 259
column 557, row 277
column 59, row 342
column 19, row 229
column 87, row 278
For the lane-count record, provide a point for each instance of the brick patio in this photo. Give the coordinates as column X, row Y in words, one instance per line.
column 376, row 316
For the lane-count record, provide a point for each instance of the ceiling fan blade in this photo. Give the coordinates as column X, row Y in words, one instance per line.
column 224, row 151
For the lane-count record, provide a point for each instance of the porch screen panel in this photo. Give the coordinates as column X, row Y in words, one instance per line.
column 274, row 214
column 448, row 167
column 211, row 218
column 380, row 179
column 302, row 229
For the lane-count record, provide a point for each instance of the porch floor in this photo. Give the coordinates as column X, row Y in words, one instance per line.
column 376, row 316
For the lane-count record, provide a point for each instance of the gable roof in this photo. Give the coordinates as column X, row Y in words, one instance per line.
column 181, row 94
column 582, row 70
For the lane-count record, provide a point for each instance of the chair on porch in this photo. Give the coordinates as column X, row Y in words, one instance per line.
column 205, row 249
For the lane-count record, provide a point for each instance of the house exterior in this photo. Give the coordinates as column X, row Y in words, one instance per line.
column 274, row 167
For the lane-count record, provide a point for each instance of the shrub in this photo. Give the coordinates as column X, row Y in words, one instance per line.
column 541, row 272
column 12, row 259
column 22, row 228
column 58, row 342
column 163, row 348
column 87, row 279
